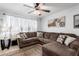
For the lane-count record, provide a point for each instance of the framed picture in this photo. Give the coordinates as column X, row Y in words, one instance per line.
column 76, row 21
column 57, row 22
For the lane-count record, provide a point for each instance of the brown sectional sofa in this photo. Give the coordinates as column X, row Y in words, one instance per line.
column 50, row 46
column 32, row 39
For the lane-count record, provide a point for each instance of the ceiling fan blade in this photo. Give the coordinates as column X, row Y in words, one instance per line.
column 45, row 10
column 30, row 11
column 28, row 6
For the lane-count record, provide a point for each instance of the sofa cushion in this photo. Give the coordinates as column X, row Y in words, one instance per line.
column 30, row 40
column 45, row 40
column 69, row 40
column 46, row 35
column 31, row 34
column 54, row 36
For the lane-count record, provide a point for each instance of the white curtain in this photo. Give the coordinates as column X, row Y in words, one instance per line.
column 24, row 25
column 13, row 25
column 32, row 26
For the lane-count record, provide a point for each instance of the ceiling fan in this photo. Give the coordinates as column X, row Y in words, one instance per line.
column 37, row 7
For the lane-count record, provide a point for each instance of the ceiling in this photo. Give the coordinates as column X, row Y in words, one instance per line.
column 19, row 9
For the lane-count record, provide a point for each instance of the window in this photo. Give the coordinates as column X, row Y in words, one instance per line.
column 13, row 25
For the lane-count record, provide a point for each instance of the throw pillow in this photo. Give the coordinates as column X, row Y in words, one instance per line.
column 40, row 34
column 23, row 35
column 61, row 39
column 69, row 40
column 18, row 36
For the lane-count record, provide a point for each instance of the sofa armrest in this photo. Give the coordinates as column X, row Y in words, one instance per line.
column 19, row 41
column 75, row 44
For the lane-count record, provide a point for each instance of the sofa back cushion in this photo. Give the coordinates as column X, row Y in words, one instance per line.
column 50, row 35
column 69, row 34
column 31, row 34
column 54, row 36
column 46, row 35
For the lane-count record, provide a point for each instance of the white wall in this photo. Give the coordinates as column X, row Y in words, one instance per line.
column 69, row 24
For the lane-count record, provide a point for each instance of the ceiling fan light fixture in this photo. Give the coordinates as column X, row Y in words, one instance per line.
column 37, row 12
column 38, row 8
